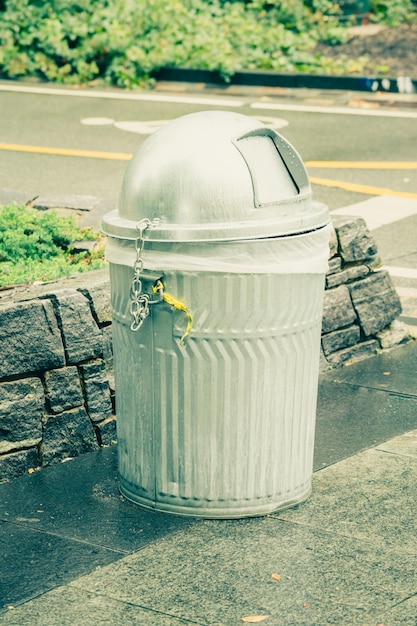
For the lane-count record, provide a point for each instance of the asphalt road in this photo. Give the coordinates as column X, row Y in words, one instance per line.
column 78, row 141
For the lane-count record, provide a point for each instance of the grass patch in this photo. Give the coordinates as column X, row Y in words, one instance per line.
column 42, row 246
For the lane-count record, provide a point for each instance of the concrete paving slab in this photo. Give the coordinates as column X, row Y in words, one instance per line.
column 404, row 614
column 80, row 500
column 34, row 562
column 394, row 371
column 66, row 520
column 68, row 606
column 352, row 417
column 370, row 496
column 345, row 556
column 218, row 572
column 309, row 592
column 405, row 444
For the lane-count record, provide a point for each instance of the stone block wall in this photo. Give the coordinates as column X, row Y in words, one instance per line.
column 361, row 306
column 56, row 389
column 56, row 398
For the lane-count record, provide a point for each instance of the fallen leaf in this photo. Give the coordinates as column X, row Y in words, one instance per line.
column 254, row 619
column 276, row 576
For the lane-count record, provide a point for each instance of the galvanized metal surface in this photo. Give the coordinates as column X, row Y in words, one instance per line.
column 215, row 175
column 224, row 426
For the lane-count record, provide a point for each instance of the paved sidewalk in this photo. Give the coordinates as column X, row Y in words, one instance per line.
column 75, row 552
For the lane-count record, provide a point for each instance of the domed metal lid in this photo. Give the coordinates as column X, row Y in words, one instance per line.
column 215, row 176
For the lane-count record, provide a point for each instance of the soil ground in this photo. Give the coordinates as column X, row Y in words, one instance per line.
column 390, row 51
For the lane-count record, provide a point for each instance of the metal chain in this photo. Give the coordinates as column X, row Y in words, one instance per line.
column 139, row 302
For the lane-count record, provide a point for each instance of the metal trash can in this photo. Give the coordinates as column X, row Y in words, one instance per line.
column 217, row 263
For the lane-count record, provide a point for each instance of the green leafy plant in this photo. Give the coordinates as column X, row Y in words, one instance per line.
column 39, row 246
column 392, row 12
column 123, row 42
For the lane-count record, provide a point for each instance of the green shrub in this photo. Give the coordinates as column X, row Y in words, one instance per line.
column 123, row 42
column 39, row 246
column 392, row 12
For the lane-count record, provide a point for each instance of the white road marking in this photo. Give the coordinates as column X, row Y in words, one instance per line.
column 272, row 122
column 401, row 272
column 304, row 108
column 97, row 121
column 406, row 292
column 141, row 127
column 225, row 101
column 380, row 210
column 125, row 95
column 147, row 127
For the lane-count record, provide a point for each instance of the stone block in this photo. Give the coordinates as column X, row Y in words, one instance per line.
column 97, row 391
column 397, row 332
column 18, row 463
column 335, row 265
column 22, row 405
column 82, row 337
column 375, row 301
column 30, row 338
column 355, row 241
column 324, row 365
column 338, row 311
column 99, row 296
column 107, row 431
column 347, row 276
column 333, row 243
column 67, row 435
column 63, row 389
column 339, row 339
column 107, row 346
column 355, row 353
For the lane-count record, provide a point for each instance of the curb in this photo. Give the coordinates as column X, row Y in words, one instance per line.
column 89, row 208
column 399, row 84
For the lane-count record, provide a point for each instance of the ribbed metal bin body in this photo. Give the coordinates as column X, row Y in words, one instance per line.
column 219, row 207
column 224, row 427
